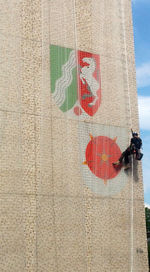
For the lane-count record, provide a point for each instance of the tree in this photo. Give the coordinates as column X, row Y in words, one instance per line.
column 147, row 215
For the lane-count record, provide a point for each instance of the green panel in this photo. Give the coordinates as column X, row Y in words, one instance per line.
column 71, row 92
column 58, row 57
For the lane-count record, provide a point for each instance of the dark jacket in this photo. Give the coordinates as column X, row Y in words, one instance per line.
column 136, row 142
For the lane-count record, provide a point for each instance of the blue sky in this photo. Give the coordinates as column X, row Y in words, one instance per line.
column 141, row 24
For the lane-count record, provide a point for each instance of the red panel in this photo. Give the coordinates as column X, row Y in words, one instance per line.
column 89, row 79
column 101, row 152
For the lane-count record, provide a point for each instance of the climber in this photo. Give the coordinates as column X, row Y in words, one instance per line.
column 134, row 148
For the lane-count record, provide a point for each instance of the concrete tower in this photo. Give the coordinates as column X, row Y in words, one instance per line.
column 67, row 83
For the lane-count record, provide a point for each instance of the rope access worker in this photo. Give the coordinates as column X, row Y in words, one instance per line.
column 134, row 148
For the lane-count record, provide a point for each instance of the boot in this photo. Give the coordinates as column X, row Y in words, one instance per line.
column 127, row 166
column 116, row 163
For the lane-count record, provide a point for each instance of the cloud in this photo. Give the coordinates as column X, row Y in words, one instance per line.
column 145, row 164
column 147, row 205
column 143, row 75
column 144, row 112
column 146, row 175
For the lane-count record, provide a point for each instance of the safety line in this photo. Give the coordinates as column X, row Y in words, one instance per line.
column 78, row 95
column 52, row 151
column 130, row 113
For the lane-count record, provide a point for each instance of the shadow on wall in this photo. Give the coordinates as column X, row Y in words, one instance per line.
column 135, row 171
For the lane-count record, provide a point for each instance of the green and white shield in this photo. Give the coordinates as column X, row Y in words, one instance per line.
column 63, row 77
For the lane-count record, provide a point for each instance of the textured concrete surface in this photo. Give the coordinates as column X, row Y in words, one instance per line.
column 50, row 220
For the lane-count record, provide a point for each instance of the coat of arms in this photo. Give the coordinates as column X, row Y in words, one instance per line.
column 75, row 80
column 99, row 148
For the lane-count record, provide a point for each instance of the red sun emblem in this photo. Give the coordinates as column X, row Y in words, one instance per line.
column 101, row 153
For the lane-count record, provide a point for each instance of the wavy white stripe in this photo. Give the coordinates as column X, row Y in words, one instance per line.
column 65, row 80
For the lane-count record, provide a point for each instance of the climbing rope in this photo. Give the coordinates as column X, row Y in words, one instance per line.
column 130, row 120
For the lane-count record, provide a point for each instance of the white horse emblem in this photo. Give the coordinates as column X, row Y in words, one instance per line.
column 86, row 75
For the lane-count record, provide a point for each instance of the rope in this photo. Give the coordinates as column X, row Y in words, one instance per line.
column 130, row 118
column 78, row 95
column 53, row 185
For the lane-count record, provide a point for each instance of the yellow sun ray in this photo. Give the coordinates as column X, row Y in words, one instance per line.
column 85, row 162
column 91, row 136
column 105, row 181
column 115, row 139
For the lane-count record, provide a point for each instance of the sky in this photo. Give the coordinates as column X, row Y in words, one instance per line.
column 141, row 26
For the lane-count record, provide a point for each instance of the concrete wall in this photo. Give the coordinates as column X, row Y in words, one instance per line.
column 56, row 215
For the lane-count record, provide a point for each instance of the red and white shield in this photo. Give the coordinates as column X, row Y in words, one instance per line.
column 89, row 83
column 100, row 154
column 100, row 147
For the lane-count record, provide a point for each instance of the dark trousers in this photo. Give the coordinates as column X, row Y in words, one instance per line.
column 125, row 155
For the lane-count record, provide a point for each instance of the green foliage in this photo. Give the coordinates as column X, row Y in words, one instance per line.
column 147, row 215
column 149, row 253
